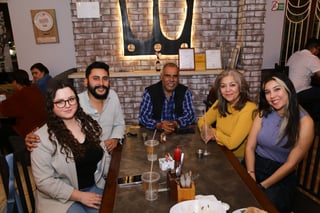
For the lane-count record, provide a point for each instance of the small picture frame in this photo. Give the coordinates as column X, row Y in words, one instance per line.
column 186, row 59
column 213, row 59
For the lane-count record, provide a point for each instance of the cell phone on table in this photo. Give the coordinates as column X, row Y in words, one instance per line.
column 129, row 180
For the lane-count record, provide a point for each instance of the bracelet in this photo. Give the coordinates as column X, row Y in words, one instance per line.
column 120, row 141
column 250, row 171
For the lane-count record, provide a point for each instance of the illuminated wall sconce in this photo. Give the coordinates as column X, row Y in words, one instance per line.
column 157, row 41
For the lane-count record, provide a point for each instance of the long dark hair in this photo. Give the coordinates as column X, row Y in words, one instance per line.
column 290, row 125
column 243, row 89
column 57, row 130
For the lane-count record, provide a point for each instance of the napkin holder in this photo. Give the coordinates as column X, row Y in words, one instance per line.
column 186, row 193
column 178, row 193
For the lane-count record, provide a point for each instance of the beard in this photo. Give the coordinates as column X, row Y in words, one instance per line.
column 104, row 96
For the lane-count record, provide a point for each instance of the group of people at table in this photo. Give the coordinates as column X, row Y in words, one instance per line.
column 70, row 154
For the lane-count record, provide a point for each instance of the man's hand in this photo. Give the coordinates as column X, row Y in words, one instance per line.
column 111, row 144
column 168, row 126
column 31, row 140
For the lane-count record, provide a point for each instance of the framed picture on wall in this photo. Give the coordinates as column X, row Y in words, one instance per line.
column 213, row 59
column 234, row 57
column 45, row 26
column 186, row 59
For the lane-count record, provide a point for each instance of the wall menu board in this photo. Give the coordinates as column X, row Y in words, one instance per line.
column 45, row 26
column 186, row 59
column 213, row 59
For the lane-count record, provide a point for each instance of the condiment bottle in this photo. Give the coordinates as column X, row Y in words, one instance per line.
column 177, row 154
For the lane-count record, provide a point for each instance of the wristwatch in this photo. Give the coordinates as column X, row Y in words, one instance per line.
column 120, row 141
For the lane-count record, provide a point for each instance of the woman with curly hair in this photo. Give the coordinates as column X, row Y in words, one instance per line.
column 232, row 113
column 281, row 134
column 68, row 166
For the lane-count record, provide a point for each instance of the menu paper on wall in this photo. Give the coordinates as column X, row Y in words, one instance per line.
column 213, row 59
column 88, row 10
column 186, row 59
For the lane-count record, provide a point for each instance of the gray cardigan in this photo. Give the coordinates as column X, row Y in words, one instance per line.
column 55, row 177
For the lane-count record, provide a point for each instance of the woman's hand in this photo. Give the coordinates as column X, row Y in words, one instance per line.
column 207, row 134
column 89, row 199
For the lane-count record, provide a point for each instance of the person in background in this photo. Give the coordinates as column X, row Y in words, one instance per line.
column 68, row 165
column 302, row 66
column 101, row 103
column 167, row 105
column 232, row 112
column 281, row 135
column 41, row 77
column 26, row 105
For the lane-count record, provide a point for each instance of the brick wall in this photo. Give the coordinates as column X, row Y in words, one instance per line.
column 130, row 90
column 216, row 23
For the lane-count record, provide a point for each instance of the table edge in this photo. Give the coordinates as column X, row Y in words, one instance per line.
column 262, row 199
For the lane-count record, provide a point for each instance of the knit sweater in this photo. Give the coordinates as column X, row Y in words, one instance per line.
column 231, row 131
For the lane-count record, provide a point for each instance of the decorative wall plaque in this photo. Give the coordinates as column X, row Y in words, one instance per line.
column 45, row 26
column 134, row 46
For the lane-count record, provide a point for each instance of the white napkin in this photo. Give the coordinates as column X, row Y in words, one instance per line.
column 213, row 198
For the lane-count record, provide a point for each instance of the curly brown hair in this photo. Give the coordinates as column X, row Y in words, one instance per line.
column 59, row 133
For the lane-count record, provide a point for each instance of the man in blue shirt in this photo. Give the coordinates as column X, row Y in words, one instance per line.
column 167, row 105
column 41, row 77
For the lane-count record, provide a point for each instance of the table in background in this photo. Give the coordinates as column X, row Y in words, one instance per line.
column 9, row 121
column 220, row 174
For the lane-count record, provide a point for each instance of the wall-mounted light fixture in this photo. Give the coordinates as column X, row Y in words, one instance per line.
column 157, row 42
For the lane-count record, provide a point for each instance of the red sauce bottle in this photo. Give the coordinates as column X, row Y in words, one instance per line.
column 177, row 154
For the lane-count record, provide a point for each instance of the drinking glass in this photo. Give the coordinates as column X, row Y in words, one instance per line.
column 206, row 136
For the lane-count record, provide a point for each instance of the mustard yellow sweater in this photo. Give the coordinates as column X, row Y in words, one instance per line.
column 231, row 131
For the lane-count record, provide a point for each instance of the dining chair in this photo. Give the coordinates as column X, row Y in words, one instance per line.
column 4, row 171
column 23, row 179
column 13, row 204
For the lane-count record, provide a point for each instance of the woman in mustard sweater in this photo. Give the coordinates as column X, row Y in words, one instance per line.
column 232, row 112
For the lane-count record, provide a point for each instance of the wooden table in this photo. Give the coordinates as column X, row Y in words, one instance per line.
column 220, row 174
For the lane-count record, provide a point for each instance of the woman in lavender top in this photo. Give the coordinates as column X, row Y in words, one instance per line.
column 281, row 135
